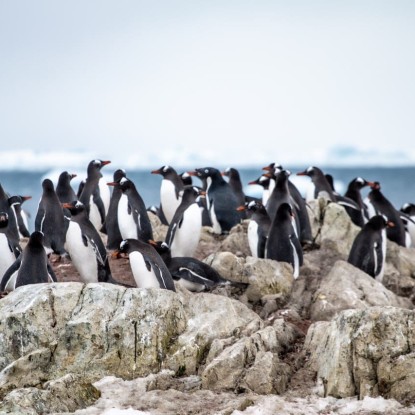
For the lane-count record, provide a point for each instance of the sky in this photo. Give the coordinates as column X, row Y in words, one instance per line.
column 179, row 82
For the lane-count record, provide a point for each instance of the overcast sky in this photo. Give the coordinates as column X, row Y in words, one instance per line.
column 249, row 79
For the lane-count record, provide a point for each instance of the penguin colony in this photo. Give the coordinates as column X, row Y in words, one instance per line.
column 71, row 224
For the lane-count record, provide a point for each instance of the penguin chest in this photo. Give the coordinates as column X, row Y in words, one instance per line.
column 187, row 235
column 144, row 278
column 94, row 215
column 126, row 223
column 217, row 228
column 253, row 238
column 6, row 255
column 105, row 193
column 379, row 257
column 169, row 201
column 83, row 257
column 191, row 286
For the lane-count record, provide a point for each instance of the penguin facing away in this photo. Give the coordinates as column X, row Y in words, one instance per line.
column 50, row 220
column 85, row 246
column 171, row 185
column 64, row 189
column 221, row 201
column 148, row 268
column 8, row 252
column 95, row 195
column 133, row 220
column 31, row 267
column 236, row 185
column 368, row 251
column 184, row 230
column 282, row 243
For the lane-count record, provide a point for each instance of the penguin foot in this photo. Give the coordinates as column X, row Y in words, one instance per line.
column 3, row 294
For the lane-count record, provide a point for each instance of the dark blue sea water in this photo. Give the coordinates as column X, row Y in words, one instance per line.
column 398, row 183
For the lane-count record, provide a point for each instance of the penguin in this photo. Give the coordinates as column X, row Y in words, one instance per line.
column 368, row 251
column 171, row 185
column 191, row 273
column 8, row 252
column 382, row 206
column 31, row 267
column 50, row 220
column 95, row 195
column 407, row 214
column 85, row 246
column 111, row 226
column 133, row 220
column 186, row 179
column 184, row 230
column 80, row 188
column 258, row 227
column 64, row 189
column 321, row 185
column 282, row 243
column 21, row 216
column 12, row 229
column 148, row 268
column 264, row 182
column 236, row 185
column 354, row 187
column 221, row 201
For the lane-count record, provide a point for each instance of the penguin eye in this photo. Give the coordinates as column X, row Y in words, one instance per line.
column 164, row 245
column 251, row 204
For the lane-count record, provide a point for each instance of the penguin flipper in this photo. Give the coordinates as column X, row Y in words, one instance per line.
column 192, row 276
column 51, row 273
column 261, row 246
column 9, row 273
column 100, row 205
column 40, row 216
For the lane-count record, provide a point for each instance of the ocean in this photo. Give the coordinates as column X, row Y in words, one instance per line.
column 398, row 183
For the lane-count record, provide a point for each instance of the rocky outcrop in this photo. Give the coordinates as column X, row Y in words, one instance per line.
column 366, row 353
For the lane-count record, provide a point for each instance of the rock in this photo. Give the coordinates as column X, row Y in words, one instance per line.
column 66, row 394
column 228, row 265
column 348, row 287
column 209, row 243
column 159, row 230
column 237, row 240
column 372, row 353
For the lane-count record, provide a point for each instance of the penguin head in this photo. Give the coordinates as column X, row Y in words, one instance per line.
column 205, row 172
column 66, row 177
column 360, row 183
column 4, row 219
column 310, row 171
column 375, row 185
column 165, row 171
column 47, row 185
column 186, row 178
column 254, row 205
column 408, row 208
column 124, row 183
column 379, row 222
column 36, row 240
column 119, row 174
column 273, row 167
column 124, row 246
column 74, row 207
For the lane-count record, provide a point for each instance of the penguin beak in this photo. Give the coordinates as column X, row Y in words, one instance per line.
column 253, row 182
column 302, row 173
column 267, row 168
column 105, row 162
column 268, row 174
column 390, row 224
column 223, row 173
column 371, row 184
column 202, row 193
column 112, row 183
column 24, row 198
column 73, row 175
column 117, row 254
column 66, row 205
column 152, row 242
column 241, row 208
column 156, row 171
column 192, row 173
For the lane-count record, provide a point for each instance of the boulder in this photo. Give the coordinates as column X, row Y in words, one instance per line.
column 368, row 352
column 348, row 287
column 237, row 240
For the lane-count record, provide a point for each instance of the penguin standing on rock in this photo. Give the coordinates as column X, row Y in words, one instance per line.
column 361, row 216
column 148, row 268
column 171, row 186
column 31, row 267
column 12, row 229
column 321, row 185
column 133, row 220
column 258, row 227
column 50, row 220
column 221, row 201
column 283, row 244
column 184, row 230
column 236, row 185
column 95, row 195
column 368, row 251
column 85, row 246
column 64, row 189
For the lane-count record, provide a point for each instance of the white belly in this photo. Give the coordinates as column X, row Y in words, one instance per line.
column 143, row 278
column 105, row 193
column 253, row 238
column 83, row 257
column 94, row 215
column 187, row 236
column 215, row 223
column 191, row 286
column 169, row 201
column 7, row 257
column 11, row 284
column 128, row 228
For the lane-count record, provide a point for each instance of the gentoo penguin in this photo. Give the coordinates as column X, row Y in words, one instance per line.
column 171, row 185
column 191, row 273
column 12, row 229
column 21, row 216
column 95, row 194
column 236, row 185
column 221, row 201
column 368, row 251
column 258, row 227
column 361, row 216
column 382, row 206
column 184, row 230
column 50, row 220
column 322, row 187
column 31, row 267
column 64, row 189
column 80, row 188
column 264, row 182
column 8, row 252
column 186, row 179
column 282, row 243
column 85, row 246
column 408, row 218
column 133, row 220
column 148, row 268
column 111, row 227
